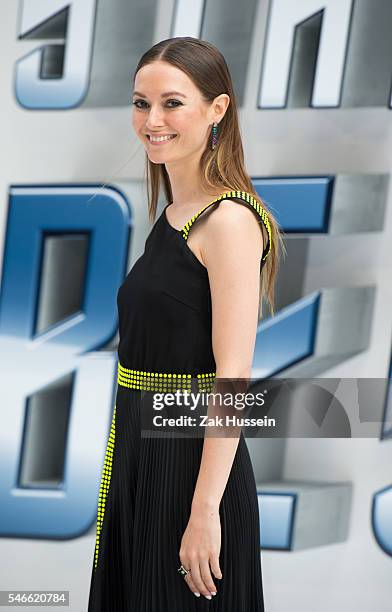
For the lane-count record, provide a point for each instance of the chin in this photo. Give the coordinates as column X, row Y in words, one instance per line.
column 159, row 159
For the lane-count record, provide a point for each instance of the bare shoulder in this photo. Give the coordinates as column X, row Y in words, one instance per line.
column 231, row 231
column 231, row 215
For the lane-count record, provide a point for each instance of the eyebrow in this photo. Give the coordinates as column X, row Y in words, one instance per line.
column 164, row 95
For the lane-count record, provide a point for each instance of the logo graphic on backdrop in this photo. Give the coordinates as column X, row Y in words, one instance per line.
column 315, row 53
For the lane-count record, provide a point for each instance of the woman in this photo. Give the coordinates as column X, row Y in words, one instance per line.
column 178, row 522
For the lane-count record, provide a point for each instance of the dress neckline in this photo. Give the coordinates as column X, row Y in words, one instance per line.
column 167, row 220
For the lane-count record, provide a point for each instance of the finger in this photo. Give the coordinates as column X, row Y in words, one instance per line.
column 188, row 577
column 191, row 584
column 206, row 576
column 215, row 567
column 197, row 579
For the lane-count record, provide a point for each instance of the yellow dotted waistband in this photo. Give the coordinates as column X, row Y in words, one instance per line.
column 163, row 381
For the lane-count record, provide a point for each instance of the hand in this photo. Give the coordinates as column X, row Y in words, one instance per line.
column 200, row 548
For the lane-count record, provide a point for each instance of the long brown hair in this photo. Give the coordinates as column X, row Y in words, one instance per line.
column 222, row 168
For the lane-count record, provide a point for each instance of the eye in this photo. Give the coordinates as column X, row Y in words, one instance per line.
column 177, row 103
column 136, row 102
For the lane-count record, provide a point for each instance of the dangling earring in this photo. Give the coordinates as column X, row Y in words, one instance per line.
column 214, row 135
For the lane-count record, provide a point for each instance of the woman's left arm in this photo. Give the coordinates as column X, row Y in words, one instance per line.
column 231, row 250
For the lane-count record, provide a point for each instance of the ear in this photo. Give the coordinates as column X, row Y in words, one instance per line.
column 219, row 107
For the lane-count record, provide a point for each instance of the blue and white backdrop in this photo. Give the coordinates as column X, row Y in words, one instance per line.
column 313, row 81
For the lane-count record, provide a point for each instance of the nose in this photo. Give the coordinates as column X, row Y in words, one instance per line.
column 155, row 119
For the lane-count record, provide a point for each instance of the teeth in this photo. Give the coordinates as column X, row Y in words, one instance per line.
column 160, row 138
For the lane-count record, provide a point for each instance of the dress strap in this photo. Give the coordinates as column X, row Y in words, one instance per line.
column 242, row 196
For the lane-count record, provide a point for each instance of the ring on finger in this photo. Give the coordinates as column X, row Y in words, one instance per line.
column 183, row 571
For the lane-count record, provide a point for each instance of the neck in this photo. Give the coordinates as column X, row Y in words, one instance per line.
column 187, row 184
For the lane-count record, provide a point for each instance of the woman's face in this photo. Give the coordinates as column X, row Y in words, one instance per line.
column 183, row 114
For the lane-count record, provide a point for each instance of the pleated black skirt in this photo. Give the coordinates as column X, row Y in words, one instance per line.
column 144, row 507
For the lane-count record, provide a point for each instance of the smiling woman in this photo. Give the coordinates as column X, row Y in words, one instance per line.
column 178, row 521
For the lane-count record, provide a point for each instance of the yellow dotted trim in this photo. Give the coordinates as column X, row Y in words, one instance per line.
column 105, row 483
column 242, row 195
column 162, row 381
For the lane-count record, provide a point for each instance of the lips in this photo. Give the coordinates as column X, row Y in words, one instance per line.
column 160, row 143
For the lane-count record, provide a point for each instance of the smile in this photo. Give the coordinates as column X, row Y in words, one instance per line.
column 161, row 139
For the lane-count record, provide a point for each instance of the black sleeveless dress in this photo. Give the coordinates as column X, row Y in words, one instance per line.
column 147, row 486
